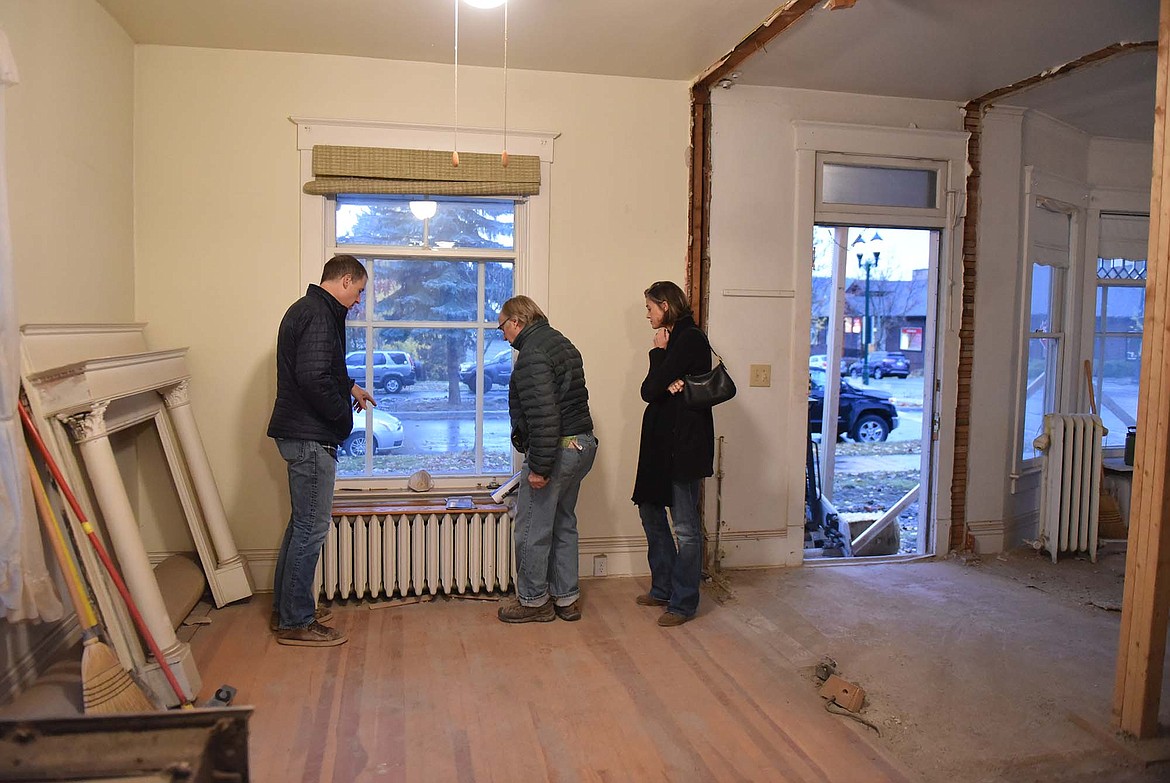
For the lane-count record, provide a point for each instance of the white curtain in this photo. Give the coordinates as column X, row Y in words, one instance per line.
column 26, row 589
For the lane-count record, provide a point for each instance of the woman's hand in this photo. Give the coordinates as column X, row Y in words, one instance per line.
column 661, row 338
column 676, row 386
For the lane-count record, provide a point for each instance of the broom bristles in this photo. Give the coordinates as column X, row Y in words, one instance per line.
column 106, row 686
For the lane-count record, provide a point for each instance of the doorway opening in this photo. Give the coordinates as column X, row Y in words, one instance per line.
column 871, row 391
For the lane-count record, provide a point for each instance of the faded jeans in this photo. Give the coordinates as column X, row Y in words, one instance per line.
column 546, row 528
column 312, row 469
column 675, row 572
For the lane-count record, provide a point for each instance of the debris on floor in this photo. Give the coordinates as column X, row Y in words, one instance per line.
column 848, row 697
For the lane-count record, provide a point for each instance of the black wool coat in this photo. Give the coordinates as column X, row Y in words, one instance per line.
column 312, row 382
column 678, row 444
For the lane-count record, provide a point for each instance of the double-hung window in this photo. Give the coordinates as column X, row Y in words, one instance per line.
column 1050, row 231
column 1120, row 313
column 439, row 271
column 444, row 247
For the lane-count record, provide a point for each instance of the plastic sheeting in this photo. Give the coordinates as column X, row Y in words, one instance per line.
column 26, row 588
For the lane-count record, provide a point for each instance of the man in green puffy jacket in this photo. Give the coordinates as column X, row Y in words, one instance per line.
column 551, row 426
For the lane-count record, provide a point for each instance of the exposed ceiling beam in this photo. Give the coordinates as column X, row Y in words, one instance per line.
column 1093, row 58
column 700, row 196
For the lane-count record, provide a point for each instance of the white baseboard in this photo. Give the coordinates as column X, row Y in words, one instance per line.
column 988, row 535
column 624, row 555
column 24, row 670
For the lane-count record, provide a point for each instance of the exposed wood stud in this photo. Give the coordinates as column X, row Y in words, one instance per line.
column 1142, row 645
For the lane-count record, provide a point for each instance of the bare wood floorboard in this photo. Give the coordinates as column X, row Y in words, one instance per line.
column 442, row 691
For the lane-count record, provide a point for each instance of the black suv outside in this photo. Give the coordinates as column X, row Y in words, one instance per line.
column 883, row 363
column 497, row 371
column 393, row 370
column 866, row 416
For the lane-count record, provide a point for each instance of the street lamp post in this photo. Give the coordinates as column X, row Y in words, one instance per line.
column 874, row 247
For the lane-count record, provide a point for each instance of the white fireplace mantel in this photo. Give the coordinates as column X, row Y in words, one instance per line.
column 86, row 382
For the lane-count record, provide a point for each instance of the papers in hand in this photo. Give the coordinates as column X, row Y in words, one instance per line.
column 506, row 488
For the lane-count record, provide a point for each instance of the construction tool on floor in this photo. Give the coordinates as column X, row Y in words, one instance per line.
column 103, row 555
column 1109, row 522
column 105, row 686
column 222, row 698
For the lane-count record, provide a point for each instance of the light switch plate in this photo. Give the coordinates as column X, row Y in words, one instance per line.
column 761, row 375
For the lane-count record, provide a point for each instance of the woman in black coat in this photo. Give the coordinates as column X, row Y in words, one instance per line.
column 676, row 454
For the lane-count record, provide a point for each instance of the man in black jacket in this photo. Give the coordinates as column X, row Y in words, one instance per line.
column 312, row 415
column 551, row 426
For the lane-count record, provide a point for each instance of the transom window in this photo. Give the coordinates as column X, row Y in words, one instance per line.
column 439, row 271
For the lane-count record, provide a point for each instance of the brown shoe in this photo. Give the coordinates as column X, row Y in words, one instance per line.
column 516, row 612
column 321, row 615
column 670, row 619
column 314, row 635
column 645, row 599
column 572, row 612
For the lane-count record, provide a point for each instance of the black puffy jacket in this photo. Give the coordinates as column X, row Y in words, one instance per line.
column 312, row 383
column 547, row 398
column 678, row 444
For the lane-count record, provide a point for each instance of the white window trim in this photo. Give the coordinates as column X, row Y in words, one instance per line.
column 1073, row 197
column 532, row 230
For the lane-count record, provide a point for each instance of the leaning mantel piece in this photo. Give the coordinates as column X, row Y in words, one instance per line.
column 101, row 378
column 77, row 387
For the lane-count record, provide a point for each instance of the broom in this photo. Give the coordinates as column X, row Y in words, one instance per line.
column 106, row 686
column 104, row 556
column 1109, row 522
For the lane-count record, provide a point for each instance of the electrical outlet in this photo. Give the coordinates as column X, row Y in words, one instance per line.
column 600, row 566
column 761, row 375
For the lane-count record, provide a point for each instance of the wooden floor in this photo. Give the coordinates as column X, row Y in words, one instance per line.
column 443, row 691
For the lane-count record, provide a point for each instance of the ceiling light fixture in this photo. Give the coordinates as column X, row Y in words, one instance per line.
column 485, row 3
column 424, row 210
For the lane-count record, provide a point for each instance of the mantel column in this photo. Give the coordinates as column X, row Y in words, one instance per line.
column 231, row 577
column 89, row 431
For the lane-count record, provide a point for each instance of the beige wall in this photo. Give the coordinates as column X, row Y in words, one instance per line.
column 69, row 156
column 217, row 236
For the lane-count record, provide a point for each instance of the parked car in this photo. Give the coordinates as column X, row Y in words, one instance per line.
column 387, row 435
column 865, row 415
column 881, row 364
column 496, row 372
column 393, row 370
column 821, row 362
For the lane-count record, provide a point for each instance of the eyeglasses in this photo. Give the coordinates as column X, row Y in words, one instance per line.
column 503, row 323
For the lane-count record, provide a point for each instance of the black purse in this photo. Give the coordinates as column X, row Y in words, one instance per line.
column 710, row 388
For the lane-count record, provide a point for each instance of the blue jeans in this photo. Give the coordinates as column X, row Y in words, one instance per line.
column 675, row 572
column 312, row 469
column 546, row 528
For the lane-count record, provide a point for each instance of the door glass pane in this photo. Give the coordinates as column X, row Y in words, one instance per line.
column 879, row 186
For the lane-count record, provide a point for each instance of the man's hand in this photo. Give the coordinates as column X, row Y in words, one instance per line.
column 361, row 397
column 537, row 482
column 661, row 338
